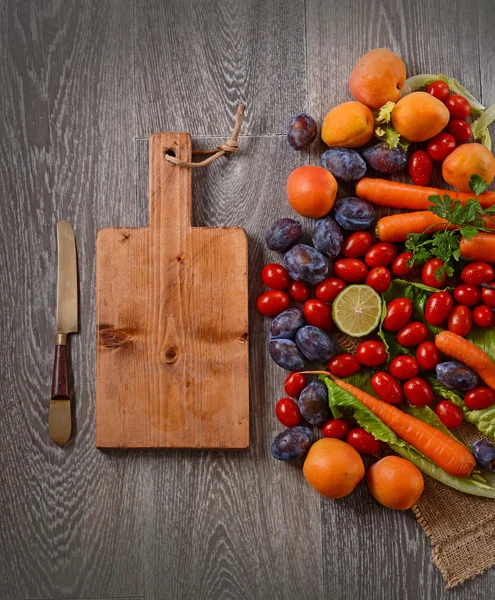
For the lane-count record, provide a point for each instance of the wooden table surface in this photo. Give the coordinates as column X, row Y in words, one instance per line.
column 82, row 86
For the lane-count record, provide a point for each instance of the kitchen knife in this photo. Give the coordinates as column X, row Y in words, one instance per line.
column 66, row 322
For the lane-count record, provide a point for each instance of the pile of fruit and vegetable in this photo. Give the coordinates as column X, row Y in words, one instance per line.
column 385, row 317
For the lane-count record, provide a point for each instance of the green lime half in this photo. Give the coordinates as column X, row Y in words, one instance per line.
column 356, row 310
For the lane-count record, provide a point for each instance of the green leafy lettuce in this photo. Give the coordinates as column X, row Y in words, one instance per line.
column 385, row 131
column 480, row 127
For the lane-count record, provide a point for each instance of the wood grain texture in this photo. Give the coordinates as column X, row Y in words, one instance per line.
column 196, row 61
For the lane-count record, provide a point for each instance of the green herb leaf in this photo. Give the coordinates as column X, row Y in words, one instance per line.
column 477, row 185
column 468, row 231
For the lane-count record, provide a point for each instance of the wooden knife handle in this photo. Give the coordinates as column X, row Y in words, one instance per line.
column 60, row 380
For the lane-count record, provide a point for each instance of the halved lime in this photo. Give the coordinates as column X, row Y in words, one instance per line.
column 356, row 310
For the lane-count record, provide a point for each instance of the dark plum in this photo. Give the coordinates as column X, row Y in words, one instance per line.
column 286, row 324
column 456, row 376
column 484, row 453
column 328, row 237
column 316, row 344
column 302, row 131
column 283, row 234
column 292, row 443
column 354, row 214
column 385, row 159
column 286, row 354
column 313, row 403
column 344, row 164
column 306, row 264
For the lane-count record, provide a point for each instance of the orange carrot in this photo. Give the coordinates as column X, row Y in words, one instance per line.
column 446, row 452
column 464, row 351
column 481, row 247
column 382, row 192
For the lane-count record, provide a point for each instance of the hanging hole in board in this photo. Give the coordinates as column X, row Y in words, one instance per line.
column 169, row 152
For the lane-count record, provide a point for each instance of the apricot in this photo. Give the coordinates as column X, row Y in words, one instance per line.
column 348, row 125
column 467, row 160
column 419, row 116
column 378, row 78
column 395, row 482
column 333, row 468
column 311, row 191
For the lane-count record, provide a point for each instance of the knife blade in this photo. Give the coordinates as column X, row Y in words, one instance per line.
column 66, row 322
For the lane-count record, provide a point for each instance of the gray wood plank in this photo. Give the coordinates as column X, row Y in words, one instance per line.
column 235, row 525
column 196, row 61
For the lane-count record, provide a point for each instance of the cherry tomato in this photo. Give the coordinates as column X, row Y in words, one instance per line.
column 386, row 387
column 479, row 397
column 379, row 279
column 318, row 313
column 371, row 353
column 294, row 384
column 460, row 130
column 449, row 414
column 428, row 273
column 351, row 270
column 399, row 312
column 458, row 106
column 298, row 291
column 488, row 295
column 335, row 428
column 343, row 365
column 467, row 294
column 460, row 320
column 439, row 89
column 428, row 356
column 418, row 392
column 272, row 303
column 477, row 273
column 412, row 334
column 440, row 146
column 438, row 307
column 420, row 167
column 357, row 244
column 288, row 412
column 399, row 266
column 483, row 316
column 330, row 288
column 275, row 276
column 362, row 441
column 380, row 255
column 403, row 367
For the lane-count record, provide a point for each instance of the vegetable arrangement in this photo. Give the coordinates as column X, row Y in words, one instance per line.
column 415, row 291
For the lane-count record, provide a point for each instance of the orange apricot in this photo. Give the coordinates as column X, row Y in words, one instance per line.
column 395, row 482
column 311, row 191
column 467, row 160
column 419, row 116
column 348, row 125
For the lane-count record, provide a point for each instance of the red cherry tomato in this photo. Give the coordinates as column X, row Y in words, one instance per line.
column 330, row 288
column 403, row 367
column 460, row 320
column 386, row 387
column 467, row 294
column 272, row 303
column 477, row 273
column 460, row 130
column 379, row 279
column 380, row 255
column 335, row 428
column 412, row 334
column 399, row 312
column 428, row 271
column 357, row 244
column 275, row 276
column 351, row 270
column 458, row 106
column 488, row 295
column 438, row 307
column 399, row 266
column 418, row 392
column 449, row 414
column 318, row 313
column 483, row 316
column 440, row 146
column 420, row 167
column 362, row 441
column 439, row 89
column 479, row 397
column 294, row 384
column 428, row 356
column 298, row 291
column 288, row 412
column 343, row 365
column 371, row 353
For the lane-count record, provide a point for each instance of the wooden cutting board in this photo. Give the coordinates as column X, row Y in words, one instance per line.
column 172, row 322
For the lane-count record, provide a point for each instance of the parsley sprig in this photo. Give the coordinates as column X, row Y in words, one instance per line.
column 467, row 219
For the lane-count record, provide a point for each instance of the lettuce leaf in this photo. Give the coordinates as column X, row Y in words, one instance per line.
column 387, row 133
column 480, row 127
column 385, row 113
